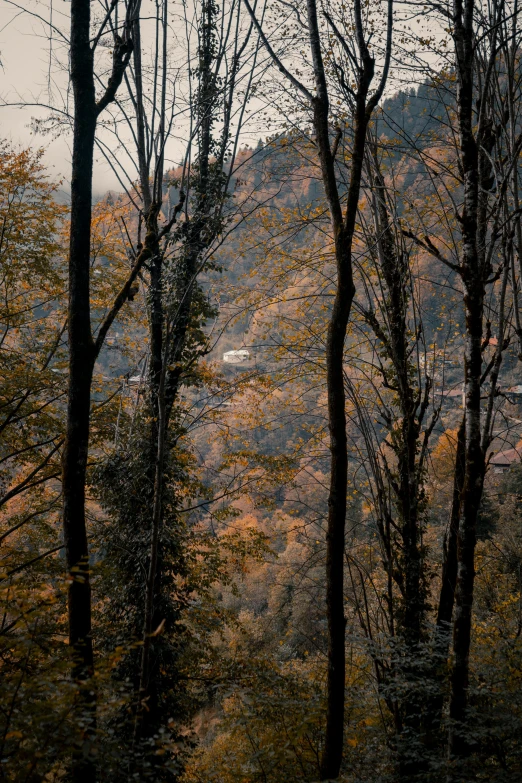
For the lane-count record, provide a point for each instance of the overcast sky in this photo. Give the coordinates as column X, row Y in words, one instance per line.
column 25, row 55
column 33, row 71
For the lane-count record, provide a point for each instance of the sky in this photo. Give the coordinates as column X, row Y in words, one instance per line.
column 33, row 71
column 25, row 55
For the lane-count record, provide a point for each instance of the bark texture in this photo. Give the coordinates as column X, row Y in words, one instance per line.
column 474, row 273
column 83, row 350
column 343, row 227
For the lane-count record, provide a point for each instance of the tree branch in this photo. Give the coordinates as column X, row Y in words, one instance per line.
column 31, row 562
column 24, row 484
column 296, row 83
column 428, row 245
column 144, row 255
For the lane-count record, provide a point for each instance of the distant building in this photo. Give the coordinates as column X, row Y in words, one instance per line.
column 236, row 357
column 505, row 459
column 458, row 395
column 136, row 380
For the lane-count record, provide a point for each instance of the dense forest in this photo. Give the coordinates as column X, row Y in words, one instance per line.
column 261, row 402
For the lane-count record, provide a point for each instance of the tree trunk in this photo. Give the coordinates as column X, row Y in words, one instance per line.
column 343, row 232
column 472, row 273
column 82, row 355
column 409, row 436
column 442, row 637
column 168, row 334
column 81, row 362
column 449, row 565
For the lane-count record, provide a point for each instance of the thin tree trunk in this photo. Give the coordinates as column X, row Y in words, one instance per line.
column 410, row 438
column 473, row 279
column 449, row 565
column 168, row 333
column 81, row 363
column 343, row 231
column 442, row 639
column 82, row 355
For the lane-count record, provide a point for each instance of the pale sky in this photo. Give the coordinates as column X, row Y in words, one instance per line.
column 25, row 55
column 33, row 71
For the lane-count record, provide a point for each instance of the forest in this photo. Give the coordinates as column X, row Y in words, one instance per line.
column 261, row 397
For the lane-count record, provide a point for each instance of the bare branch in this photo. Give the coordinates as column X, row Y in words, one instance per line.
column 296, row 83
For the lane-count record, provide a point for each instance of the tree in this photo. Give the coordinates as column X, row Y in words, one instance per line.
column 83, row 348
column 482, row 127
column 179, row 242
column 32, row 319
column 360, row 105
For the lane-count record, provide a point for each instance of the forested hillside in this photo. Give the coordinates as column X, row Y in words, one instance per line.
column 261, row 404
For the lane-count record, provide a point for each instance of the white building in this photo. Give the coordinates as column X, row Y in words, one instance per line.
column 236, row 357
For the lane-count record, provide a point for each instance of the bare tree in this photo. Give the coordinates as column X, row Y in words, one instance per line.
column 83, row 348
column 480, row 130
column 482, row 124
column 178, row 243
column 396, row 388
column 360, row 103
